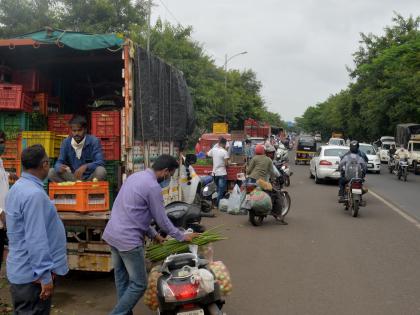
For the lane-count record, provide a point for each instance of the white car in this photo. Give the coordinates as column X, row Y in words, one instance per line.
column 374, row 163
column 324, row 165
column 384, row 151
column 387, row 139
column 337, row 141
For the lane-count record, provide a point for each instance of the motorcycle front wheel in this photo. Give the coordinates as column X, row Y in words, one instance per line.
column 256, row 220
column 285, row 202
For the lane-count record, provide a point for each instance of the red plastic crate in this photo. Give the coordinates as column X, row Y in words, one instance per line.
column 106, row 123
column 80, row 197
column 12, row 166
column 12, row 98
column 46, row 104
column 111, row 148
column 28, row 78
column 59, row 123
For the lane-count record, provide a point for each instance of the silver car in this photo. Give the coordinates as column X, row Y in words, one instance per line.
column 324, row 165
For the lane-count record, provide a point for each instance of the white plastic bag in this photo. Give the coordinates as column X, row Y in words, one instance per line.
column 206, row 280
column 234, row 203
column 223, row 204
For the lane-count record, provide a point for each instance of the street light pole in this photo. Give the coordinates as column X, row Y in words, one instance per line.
column 226, row 69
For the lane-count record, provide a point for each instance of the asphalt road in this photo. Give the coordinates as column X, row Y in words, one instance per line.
column 323, row 262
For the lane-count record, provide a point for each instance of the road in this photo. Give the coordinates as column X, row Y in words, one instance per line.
column 323, row 262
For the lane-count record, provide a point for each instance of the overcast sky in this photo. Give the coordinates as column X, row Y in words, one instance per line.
column 299, row 49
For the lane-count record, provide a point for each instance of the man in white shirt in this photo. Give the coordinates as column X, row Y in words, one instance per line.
column 4, row 188
column 220, row 161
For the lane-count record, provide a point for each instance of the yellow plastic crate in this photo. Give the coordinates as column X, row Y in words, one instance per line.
column 48, row 139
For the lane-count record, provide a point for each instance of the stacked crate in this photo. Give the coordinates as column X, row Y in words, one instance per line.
column 106, row 126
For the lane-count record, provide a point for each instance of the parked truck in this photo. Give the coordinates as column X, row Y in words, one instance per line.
column 87, row 72
column 409, row 136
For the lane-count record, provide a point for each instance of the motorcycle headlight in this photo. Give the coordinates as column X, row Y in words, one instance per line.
column 283, row 167
column 206, row 189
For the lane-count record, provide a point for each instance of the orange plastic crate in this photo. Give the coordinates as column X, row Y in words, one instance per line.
column 12, row 166
column 13, row 98
column 80, row 197
column 13, row 148
column 46, row 104
column 106, row 123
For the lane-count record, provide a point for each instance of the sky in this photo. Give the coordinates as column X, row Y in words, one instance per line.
column 299, row 49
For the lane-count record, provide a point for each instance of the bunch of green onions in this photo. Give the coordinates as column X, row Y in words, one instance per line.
column 158, row 252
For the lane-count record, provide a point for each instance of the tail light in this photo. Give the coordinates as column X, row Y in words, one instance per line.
column 356, row 185
column 184, row 291
column 325, row 163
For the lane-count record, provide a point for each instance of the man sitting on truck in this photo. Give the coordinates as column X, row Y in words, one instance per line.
column 80, row 157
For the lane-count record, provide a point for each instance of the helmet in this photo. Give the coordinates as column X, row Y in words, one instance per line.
column 354, row 146
column 259, row 149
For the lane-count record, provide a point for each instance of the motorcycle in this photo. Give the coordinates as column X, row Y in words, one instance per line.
column 280, row 199
column 391, row 164
column 402, row 169
column 354, row 193
column 284, row 171
column 180, row 292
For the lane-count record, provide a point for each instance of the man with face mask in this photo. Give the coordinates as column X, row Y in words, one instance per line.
column 37, row 239
column 138, row 202
column 80, row 157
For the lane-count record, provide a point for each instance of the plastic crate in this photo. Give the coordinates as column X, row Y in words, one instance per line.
column 13, row 98
column 80, row 197
column 13, row 149
column 106, row 123
column 112, row 172
column 48, row 139
column 28, row 78
column 59, row 123
column 45, row 104
column 12, row 123
column 12, row 166
column 111, row 148
column 37, row 122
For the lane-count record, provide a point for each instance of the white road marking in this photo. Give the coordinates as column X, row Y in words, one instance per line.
column 396, row 209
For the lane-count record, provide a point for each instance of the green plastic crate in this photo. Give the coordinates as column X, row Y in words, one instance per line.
column 112, row 172
column 13, row 122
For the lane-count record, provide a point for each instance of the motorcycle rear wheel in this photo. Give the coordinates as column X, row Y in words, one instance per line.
column 256, row 220
column 286, row 203
column 355, row 208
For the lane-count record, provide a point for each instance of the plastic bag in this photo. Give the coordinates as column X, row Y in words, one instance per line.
column 206, row 279
column 222, row 277
column 150, row 296
column 223, row 204
column 260, row 201
column 206, row 252
column 234, row 203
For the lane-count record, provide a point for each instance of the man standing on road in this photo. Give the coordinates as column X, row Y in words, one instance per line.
column 4, row 188
column 138, row 203
column 37, row 239
column 80, row 157
column 220, row 161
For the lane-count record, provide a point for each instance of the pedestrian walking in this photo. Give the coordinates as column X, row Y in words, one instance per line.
column 37, row 239
column 138, row 202
column 220, row 161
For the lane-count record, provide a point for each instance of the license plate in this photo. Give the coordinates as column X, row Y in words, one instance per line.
column 194, row 312
column 370, row 165
column 356, row 191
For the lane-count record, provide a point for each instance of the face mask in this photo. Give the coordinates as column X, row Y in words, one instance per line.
column 165, row 182
column 2, row 148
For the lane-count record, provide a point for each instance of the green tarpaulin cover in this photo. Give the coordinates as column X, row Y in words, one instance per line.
column 79, row 41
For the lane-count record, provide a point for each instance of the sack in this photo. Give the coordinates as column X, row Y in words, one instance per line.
column 353, row 169
column 260, row 201
column 234, row 203
column 150, row 296
column 222, row 276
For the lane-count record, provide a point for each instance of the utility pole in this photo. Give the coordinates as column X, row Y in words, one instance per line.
column 148, row 25
column 226, row 73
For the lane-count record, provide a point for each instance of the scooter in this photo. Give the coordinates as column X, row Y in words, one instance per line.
column 188, row 287
column 391, row 164
column 280, row 200
column 402, row 169
column 284, row 171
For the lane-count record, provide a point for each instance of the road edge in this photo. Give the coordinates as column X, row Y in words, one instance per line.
column 396, row 209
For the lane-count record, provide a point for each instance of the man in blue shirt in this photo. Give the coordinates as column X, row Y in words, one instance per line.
column 37, row 239
column 80, row 157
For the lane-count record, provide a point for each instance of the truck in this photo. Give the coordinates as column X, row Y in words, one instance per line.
column 87, row 72
column 409, row 136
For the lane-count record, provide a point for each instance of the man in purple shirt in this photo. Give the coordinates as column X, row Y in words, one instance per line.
column 139, row 201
